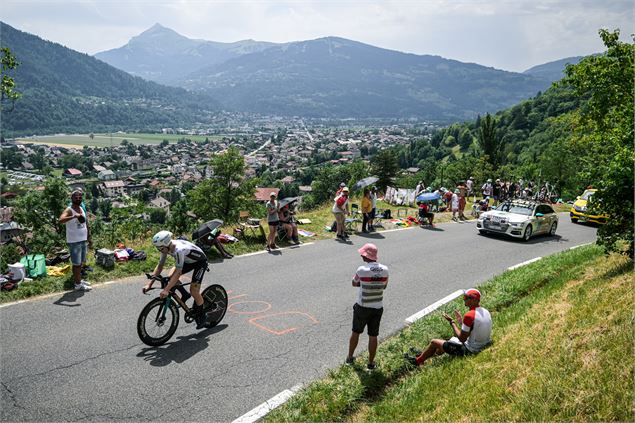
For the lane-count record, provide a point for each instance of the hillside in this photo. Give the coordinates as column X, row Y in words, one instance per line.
column 162, row 55
column 64, row 91
column 327, row 77
column 552, row 71
column 335, row 77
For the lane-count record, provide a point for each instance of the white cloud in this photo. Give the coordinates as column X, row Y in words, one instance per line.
column 513, row 35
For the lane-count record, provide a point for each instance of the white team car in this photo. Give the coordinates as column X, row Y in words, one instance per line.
column 519, row 219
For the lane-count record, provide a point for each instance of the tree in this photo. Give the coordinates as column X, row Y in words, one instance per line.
column 384, row 165
column 7, row 88
column 158, row 216
column 605, row 131
column 39, row 211
column 227, row 192
column 178, row 221
column 489, row 140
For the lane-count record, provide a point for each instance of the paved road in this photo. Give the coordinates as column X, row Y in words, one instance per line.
column 77, row 356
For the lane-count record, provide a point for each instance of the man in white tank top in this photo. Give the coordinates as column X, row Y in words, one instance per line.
column 77, row 235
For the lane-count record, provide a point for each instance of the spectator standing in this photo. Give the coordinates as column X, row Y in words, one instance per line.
column 470, row 186
column 340, row 210
column 373, row 212
column 273, row 220
column 462, row 187
column 455, row 204
column 77, row 237
column 487, row 189
column 372, row 280
column 419, row 188
column 367, row 209
column 471, row 333
column 496, row 191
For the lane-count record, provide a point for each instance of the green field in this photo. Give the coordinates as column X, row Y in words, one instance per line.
column 108, row 140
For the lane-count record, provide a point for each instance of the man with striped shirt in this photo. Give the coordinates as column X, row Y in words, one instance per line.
column 372, row 279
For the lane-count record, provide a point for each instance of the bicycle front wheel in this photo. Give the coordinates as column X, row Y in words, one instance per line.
column 215, row 298
column 157, row 322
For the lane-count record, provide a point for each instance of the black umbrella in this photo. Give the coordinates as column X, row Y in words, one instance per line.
column 206, row 228
column 362, row 183
column 286, row 201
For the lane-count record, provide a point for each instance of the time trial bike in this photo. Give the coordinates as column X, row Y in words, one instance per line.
column 160, row 317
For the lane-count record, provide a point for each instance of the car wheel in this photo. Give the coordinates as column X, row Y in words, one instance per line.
column 552, row 231
column 574, row 220
column 527, row 233
column 482, row 232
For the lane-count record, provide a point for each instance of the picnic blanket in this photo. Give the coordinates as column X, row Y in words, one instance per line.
column 305, row 233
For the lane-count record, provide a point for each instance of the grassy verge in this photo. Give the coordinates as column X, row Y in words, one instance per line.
column 562, row 351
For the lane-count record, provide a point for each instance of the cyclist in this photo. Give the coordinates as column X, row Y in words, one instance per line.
column 188, row 257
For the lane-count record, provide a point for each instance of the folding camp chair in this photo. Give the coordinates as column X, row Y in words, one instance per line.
column 248, row 224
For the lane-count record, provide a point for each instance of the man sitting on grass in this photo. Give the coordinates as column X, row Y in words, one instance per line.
column 474, row 334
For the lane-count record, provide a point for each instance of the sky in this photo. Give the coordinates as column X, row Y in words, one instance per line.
column 512, row 35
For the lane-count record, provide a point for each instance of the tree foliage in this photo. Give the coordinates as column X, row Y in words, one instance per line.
column 8, row 91
column 38, row 212
column 605, row 131
column 226, row 192
column 384, row 165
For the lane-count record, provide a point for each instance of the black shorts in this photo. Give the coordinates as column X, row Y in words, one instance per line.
column 199, row 268
column 452, row 348
column 372, row 214
column 273, row 223
column 363, row 316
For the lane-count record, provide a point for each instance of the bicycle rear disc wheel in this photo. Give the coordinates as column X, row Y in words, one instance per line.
column 215, row 298
column 156, row 327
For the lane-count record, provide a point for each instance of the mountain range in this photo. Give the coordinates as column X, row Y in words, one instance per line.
column 326, row 77
column 64, row 90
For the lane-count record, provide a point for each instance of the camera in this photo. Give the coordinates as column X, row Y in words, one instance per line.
column 81, row 218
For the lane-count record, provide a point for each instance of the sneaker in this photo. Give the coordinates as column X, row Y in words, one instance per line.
column 82, row 287
column 87, row 268
column 85, row 282
column 350, row 361
column 201, row 320
column 371, row 366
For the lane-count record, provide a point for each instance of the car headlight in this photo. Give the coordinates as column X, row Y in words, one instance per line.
column 516, row 225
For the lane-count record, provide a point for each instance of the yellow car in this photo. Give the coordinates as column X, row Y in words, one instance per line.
column 579, row 210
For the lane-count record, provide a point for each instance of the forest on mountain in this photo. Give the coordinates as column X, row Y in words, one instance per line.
column 66, row 91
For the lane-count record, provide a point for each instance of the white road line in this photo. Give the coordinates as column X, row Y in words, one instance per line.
column 524, row 263
column 581, row 245
column 263, row 409
column 291, row 247
column 434, row 306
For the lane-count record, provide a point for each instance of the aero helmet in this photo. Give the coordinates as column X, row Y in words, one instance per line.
column 162, row 239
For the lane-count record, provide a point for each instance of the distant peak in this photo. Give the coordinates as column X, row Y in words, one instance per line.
column 157, row 28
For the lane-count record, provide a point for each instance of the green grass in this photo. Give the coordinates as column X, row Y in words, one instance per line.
column 106, row 140
column 562, row 351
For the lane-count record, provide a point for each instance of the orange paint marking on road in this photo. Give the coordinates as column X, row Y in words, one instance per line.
column 267, row 307
column 280, row 332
